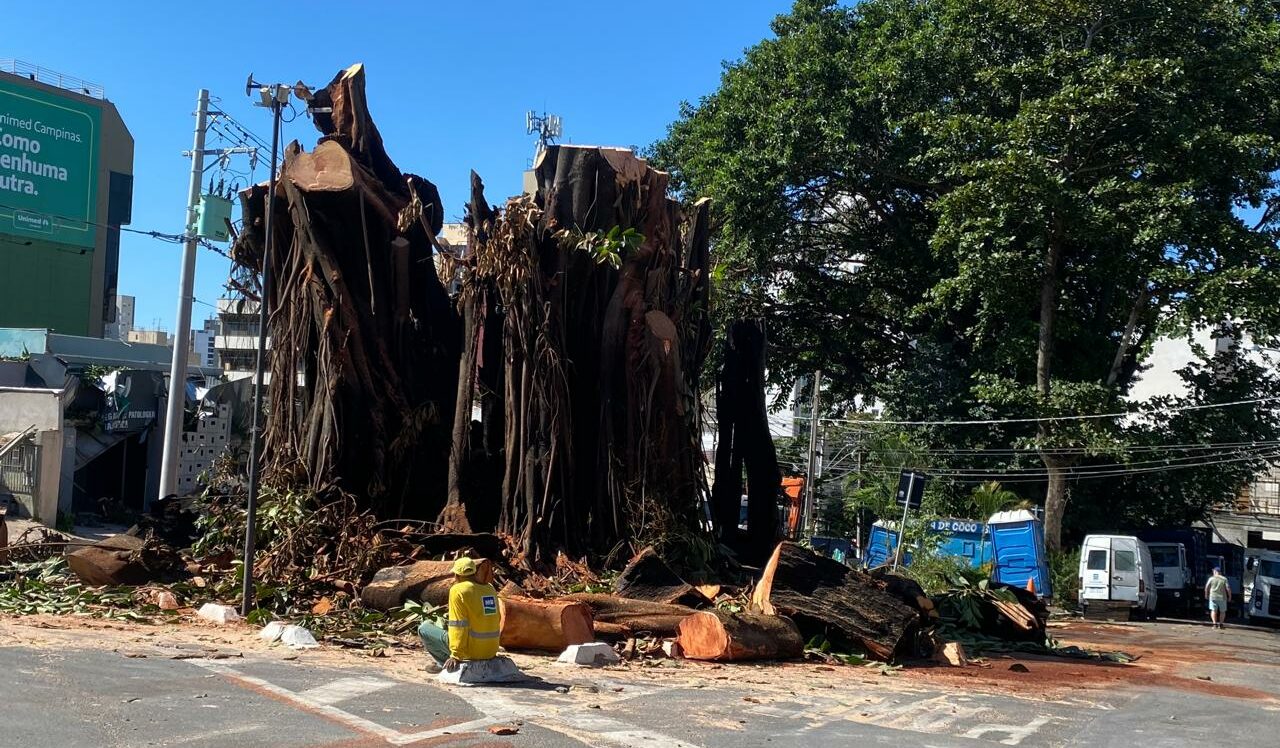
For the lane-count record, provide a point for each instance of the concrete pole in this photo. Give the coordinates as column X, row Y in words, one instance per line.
column 810, row 524
column 170, row 464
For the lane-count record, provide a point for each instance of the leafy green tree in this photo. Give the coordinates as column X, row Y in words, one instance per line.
column 991, row 208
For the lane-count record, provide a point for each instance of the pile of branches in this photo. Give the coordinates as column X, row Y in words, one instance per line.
column 586, row 327
column 363, row 339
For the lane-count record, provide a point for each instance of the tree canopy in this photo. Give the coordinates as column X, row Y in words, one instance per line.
column 993, row 208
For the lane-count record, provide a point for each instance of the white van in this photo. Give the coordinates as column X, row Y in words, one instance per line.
column 1116, row 574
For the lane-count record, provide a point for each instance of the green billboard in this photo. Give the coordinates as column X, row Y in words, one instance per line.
column 48, row 165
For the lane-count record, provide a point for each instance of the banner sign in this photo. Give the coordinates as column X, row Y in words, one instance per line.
column 48, row 165
column 133, row 400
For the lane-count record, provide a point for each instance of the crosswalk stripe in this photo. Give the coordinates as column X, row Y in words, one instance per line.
column 345, row 688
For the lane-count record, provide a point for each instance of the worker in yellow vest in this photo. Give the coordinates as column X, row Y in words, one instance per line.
column 474, row 622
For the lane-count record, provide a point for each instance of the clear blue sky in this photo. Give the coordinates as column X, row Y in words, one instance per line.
column 448, row 85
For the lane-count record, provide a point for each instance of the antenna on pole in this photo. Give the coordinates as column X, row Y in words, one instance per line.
column 547, row 127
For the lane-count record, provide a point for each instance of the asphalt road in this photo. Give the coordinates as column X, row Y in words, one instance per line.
column 89, row 697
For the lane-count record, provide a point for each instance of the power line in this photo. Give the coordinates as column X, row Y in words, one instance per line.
column 1070, row 473
column 161, row 235
column 1045, row 419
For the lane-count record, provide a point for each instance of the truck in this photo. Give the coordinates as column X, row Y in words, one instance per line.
column 1231, row 559
column 1264, row 589
column 1181, row 565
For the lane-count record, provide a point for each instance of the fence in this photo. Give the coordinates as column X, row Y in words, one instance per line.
column 19, row 479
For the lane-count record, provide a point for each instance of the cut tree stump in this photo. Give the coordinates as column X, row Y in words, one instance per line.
column 826, row 597
column 425, row 581
column 655, row 618
column 647, row 577
column 544, row 625
column 725, row 637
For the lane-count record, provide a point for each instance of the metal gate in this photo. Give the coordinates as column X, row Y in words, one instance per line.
column 19, row 479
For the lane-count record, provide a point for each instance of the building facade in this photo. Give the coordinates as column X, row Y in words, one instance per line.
column 150, row 337
column 236, row 343
column 66, row 187
column 204, row 350
column 123, row 323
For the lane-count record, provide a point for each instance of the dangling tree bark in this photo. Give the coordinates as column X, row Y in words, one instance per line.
column 364, row 343
column 744, row 444
column 604, row 334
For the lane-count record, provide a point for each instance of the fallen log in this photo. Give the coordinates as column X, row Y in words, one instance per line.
column 123, row 560
column 647, row 577
column 611, row 631
column 425, row 581
column 655, row 618
column 725, row 637
column 544, row 625
column 826, row 597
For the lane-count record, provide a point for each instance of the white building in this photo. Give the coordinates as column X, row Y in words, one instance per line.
column 1254, row 519
column 236, row 341
column 119, row 330
column 204, row 344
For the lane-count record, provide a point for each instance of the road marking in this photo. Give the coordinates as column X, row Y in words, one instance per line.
column 1016, row 733
column 358, row 724
column 238, row 730
column 496, row 704
column 346, row 688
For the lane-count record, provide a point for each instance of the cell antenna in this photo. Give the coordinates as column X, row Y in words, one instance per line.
column 546, row 126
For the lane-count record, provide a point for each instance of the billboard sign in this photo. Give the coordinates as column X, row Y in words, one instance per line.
column 48, row 165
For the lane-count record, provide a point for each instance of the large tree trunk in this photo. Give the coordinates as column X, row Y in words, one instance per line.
column 602, row 422
column 363, row 341
column 825, row 597
column 725, row 637
column 1055, row 500
column 745, row 442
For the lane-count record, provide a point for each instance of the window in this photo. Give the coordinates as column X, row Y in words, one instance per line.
column 1125, row 561
column 1269, row 569
column 1164, row 556
column 1097, row 561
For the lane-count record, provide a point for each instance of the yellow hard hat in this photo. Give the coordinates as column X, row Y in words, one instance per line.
column 464, row 567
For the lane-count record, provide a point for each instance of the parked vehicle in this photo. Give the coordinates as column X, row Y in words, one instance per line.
column 1116, row 574
column 1230, row 558
column 1017, row 544
column 1181, row 566
column 1264, row 590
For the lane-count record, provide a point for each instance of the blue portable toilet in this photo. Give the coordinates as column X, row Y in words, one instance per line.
column 1017, row 538
column 881, row 544
column 963, row 540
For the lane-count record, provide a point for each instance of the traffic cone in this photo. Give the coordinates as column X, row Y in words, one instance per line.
column 1031, row 585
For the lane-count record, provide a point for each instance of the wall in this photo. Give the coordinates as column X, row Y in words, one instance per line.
column 21, row 407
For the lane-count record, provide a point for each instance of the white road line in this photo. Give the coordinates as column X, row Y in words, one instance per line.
column 345, row 688
column 358, row 724
column 238, row 730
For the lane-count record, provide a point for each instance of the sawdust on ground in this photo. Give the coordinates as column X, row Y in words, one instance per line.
column 1165, row 661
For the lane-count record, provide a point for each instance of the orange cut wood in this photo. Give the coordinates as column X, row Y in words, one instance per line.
column 544, row 625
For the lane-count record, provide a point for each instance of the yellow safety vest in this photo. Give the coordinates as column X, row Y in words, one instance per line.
column 474, row 621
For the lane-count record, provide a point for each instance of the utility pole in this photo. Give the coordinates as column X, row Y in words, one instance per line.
column 169, row 462
column 274, row 97
column 810, row 521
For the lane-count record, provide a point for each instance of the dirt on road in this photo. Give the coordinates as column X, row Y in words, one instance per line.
column 1180, row 656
